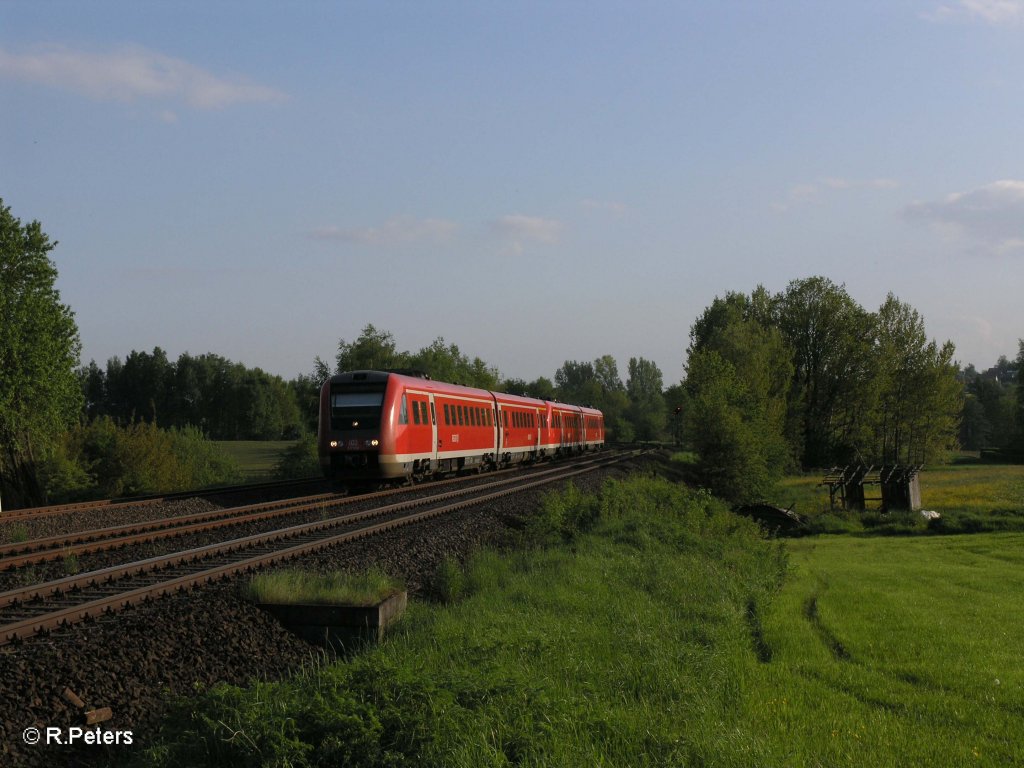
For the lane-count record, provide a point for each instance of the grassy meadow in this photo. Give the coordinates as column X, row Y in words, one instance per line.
column 971, row 498
column 894, row 651
column 650, row 626
column 256, row 458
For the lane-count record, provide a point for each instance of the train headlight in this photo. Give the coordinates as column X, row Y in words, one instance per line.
column 334, row 443
column 375, row 443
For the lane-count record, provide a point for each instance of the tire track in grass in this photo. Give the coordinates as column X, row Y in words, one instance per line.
column 839, row 651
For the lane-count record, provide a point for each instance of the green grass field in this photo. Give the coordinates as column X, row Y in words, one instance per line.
column 895, row 651
column 256, row 458
column 970, row 498
column 656, row 628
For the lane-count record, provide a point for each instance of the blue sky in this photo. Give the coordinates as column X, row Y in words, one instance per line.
column 534, row 182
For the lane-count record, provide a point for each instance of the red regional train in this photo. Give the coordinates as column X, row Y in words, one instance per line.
column 386, row 425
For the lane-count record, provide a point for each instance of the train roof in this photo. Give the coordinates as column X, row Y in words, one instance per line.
column 421, row 380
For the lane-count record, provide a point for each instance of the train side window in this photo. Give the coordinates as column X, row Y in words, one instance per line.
column 446, row 419
column 506, row 418
column 403, row 414
column 490, row 423
column 476, row 416
column 415, row 412
column 433, row 414
column 423, row 412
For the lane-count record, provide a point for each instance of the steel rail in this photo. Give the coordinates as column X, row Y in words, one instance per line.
column 32, row 625
column 34, row 513
column 44, row 590
column 32, row 551
column 101, row 539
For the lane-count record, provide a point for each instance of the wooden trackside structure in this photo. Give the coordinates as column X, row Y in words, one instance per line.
column 861, row 487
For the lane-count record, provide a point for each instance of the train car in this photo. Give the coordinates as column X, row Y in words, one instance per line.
column 593, row 429
column 379, row 426
column 520, row 421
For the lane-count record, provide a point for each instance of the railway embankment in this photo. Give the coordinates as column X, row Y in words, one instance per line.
column 617, row 636
column 140, row 660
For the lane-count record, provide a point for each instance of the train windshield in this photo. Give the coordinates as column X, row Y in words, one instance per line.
column 356, row 408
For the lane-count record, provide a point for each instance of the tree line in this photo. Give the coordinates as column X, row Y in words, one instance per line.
column 993, row 413
column 803, row 378
column 223, row 399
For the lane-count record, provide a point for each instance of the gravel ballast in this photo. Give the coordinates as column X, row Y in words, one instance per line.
column 135, row 662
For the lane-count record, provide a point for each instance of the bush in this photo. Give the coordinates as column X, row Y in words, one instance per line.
column 299, row 461
column 104, row 460
column 562, row 516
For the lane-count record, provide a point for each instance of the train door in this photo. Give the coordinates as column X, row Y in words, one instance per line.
column 496, row 436
column 433, row 433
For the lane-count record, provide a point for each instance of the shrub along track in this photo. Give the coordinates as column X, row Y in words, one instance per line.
column 133, row 661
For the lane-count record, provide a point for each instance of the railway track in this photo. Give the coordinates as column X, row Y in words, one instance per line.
column 31, row 610
column 83, row 542
column 36, row 513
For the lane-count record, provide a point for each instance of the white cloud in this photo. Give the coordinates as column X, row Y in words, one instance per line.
column 807, row 192
column 995, row 12
column 129, row 74
column 398, row 230
column 991, row 216
column 519, row 228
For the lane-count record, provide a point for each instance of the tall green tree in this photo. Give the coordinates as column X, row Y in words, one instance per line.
column 373, row 350
column 739, row 374
column 40, row 394
column 576, row 383
column 916, row 416
column 646, row 403
column 734, row 460
column 444, row 362
column 834, row 370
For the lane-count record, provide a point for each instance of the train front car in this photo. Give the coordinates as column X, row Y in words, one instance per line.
column 355, row 410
